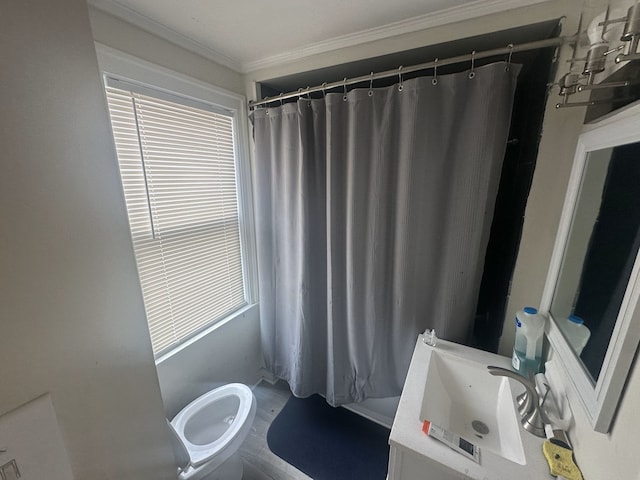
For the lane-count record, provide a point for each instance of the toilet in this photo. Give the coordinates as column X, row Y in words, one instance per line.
column 207, row 433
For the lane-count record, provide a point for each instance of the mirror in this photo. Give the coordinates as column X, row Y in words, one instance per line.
column 592, row 288
column 600, row 252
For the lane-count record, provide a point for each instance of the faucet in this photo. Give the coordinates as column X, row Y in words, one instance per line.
column 528, row 403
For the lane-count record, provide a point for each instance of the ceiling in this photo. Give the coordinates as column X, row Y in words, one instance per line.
column 246, row 35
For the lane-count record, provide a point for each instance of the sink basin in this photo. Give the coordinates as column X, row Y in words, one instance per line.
column 449, row 385
column 462, row 397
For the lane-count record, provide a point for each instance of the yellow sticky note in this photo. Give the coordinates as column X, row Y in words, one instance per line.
column 561, row 461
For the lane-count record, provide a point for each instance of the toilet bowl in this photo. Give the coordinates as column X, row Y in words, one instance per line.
column 207, row 433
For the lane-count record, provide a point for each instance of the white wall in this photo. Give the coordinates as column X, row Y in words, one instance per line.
column 600, row 456
column 491, row 23
column 71, row 317
column 229, row 352
column 123, row 36
column 613, row 455
column 560, row 132
column 597, row 454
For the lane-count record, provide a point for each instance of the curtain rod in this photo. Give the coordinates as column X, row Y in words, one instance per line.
column 523, row 47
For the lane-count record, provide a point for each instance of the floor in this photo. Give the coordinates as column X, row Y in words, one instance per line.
column 259, row 462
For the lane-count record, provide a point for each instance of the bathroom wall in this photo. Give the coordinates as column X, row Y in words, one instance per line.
column 546, row 198
column 71, row 312
column 612, row 455
column 560, row 131
column 229, row 352
column 123, row 36
column 600, row 456
column 432, row 36
column 72, row 317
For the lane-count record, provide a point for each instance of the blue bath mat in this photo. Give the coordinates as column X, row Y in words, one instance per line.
column 329, row 443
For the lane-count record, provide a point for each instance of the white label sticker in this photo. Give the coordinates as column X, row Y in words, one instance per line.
column 515, row 361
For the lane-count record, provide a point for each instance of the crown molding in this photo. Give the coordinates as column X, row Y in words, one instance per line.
column 477, row 8
column 118, row 10
column 446, row 16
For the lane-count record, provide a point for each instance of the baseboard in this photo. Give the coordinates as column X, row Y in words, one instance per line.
column 266, row 376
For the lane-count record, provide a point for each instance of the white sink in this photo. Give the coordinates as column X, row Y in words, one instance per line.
column 450, row 386
column 462, row 397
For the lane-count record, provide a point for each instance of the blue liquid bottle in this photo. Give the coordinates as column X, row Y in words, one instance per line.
column 527, row 349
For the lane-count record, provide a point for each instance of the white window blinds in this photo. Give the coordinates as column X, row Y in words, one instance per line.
column 177, row 165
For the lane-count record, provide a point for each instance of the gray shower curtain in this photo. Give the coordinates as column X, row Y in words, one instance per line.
column 373, row 216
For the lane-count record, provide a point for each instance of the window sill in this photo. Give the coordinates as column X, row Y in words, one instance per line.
column 204, row 333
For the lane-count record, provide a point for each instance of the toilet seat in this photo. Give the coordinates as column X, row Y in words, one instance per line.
column 200, row 426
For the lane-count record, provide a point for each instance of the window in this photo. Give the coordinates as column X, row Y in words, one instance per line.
column 178, row 164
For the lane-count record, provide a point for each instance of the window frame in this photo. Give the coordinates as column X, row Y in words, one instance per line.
column 159, row 81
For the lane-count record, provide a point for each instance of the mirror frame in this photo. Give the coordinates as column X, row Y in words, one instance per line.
column 600, row 400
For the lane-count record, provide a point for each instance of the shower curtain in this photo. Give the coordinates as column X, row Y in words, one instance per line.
column 373, row 216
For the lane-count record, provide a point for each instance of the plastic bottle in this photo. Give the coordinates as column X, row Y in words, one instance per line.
column 527, row 349
column 577, row 333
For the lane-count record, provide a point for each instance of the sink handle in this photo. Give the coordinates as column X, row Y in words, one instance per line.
column 530, row 398
column 505, row 372
column 531, row 418
column 523, row 401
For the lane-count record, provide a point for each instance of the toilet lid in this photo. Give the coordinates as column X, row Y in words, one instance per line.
column 180, row 452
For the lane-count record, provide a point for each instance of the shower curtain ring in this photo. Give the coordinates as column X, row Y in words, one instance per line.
column 281, row 100
column 344, row 88
column 508, row 67
column 371, row 86
column 472, row 73
column 324, row 89
column 400, row 85
column 434, row 80
column 308, row 94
